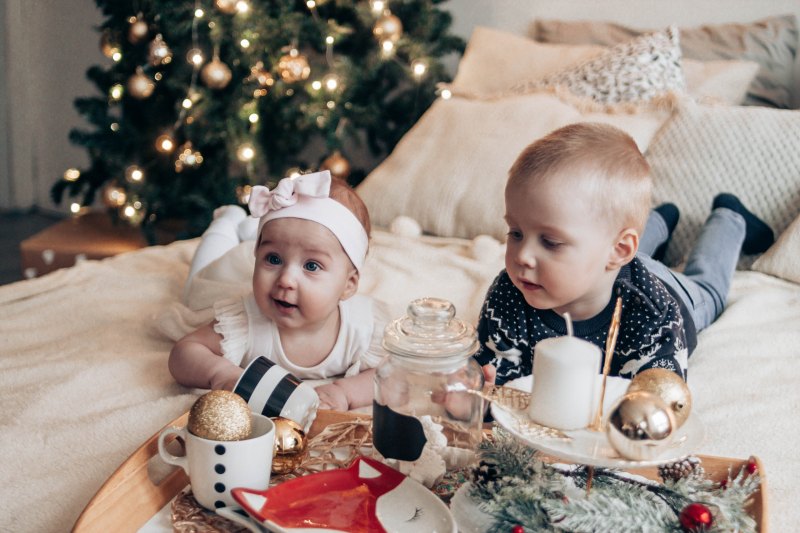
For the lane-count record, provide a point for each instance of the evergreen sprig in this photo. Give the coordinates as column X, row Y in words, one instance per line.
column 516, row 487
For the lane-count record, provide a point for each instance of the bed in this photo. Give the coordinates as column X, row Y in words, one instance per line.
column 83, row 373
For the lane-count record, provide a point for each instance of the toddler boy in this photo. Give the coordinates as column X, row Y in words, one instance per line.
column 581, row 234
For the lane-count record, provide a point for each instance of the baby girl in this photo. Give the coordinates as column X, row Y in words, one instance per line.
column 304, row 313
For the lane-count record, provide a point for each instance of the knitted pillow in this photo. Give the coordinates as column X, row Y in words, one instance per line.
column 752, row 152
column 633, row 71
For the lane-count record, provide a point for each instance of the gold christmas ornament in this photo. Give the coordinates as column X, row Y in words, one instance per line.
column 388, row 28
column 216, row 74
column 293, row 67
column 160, row 54
column 226, row 6
column 337, row 165
column 109, row 45
column 188, row 157
column 113, row 196
column 139, row 30
column 640, row 426
column 668, row 386
column 261, row 76
column 220, row 415
column 140, row 85
column 291, row 445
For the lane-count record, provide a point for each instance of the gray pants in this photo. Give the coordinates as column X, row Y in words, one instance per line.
column 706, row 279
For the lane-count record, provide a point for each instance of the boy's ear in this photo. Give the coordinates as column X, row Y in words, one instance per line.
column 625, row 246
column 351, row 286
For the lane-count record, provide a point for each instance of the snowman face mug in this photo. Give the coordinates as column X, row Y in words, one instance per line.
column 215, row 467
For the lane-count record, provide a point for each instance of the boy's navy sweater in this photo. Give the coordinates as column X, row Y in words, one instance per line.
column 656, row 330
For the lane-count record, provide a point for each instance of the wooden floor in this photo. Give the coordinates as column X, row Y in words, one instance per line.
column 15, row 227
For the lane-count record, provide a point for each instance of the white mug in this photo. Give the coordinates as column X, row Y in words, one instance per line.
column 215, row 467
column 272, row 391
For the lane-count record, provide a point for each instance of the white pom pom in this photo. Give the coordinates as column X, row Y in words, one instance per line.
column 485, row 249
column 404, row 226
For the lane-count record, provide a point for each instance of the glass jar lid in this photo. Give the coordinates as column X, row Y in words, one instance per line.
column 430, row 330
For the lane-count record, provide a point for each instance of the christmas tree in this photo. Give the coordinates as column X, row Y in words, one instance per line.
column 204, row 100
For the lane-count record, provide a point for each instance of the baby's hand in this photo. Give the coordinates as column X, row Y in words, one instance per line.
column 332, row 397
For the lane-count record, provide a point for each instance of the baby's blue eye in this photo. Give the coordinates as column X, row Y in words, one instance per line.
column 273, row 259
column 311, row 266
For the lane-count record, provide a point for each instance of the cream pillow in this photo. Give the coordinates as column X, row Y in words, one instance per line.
column 495, row 62
column 782, row 260
column 752, row 152
column 449, row 171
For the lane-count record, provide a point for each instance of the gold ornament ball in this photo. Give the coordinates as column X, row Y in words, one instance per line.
column 640, row 426
column 140, row 85
column 291, row 445
column 108, row 44
column 337, row 165
column 668, row 386
column 113, row 196
column 216, row 74
column 388, row 28
column 160, row 54
column 220, row 415
column 261, row 76
column 226, row 6
column 293, row 67
column 138, row 31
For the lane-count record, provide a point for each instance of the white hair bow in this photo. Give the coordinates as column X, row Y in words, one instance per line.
column 262, row 200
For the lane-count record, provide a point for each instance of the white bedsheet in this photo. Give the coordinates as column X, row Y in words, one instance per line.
column 84, row 380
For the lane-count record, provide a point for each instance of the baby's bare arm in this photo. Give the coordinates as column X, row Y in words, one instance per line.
column 348, row 393
column 196, row 361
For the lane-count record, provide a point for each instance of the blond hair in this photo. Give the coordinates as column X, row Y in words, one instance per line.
column 600, row 157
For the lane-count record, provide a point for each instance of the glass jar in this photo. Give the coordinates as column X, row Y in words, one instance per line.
column 429, row 371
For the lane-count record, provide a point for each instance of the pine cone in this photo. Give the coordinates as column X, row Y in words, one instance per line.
column 484, row 473
column 681, row 469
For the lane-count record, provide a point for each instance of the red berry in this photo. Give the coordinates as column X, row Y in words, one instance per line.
column 517, row 529
column 752, row 467
column 723, row 484
column 695, row 517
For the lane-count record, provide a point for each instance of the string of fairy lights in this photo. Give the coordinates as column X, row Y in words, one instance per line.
column 292, row 69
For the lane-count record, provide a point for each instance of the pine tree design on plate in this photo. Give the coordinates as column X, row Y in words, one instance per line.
column 363, row 91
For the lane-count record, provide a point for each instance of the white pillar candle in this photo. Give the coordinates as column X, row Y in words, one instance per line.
column 565, row 371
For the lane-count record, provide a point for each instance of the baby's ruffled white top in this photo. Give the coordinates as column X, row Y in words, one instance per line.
column 248, row 334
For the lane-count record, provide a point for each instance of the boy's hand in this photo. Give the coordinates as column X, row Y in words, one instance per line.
column 459, row 404
column 332, row 397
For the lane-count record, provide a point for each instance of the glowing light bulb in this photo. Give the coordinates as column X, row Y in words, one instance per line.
column 316, row 85
column 75, row 208
column 195, row 56
column 187, row 103
column 419, row 67
column 137, row 204
column 246, row 152
column 164, row 143
column 242, row 6
column 329, row 39
column 114, row 126
column 446, row 94
column 293, row 173
column 331, row 81
column 199, row 13
column 117, row 56
column 72, row 174
column 388, row 46
column 331, row 104
column 377, row 6
column 116, row 92
column 311, row 4
column 245, row 43
column 129, row 211
column 254, row 118
column 134, row 173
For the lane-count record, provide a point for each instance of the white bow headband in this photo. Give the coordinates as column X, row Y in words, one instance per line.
column 307, row 197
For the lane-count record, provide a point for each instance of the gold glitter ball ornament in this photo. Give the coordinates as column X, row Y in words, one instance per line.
column 388, row 28
column 291, row 445
column 226, row 6
column 216, row 74
column 338, row 166
column 160, row 54
column 669, row 387
column 138, row 31
column 220, row 415
column 293, row 67
column 640, row 426
column 140, row 85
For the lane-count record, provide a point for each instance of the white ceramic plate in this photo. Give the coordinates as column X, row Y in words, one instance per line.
column 592, row 448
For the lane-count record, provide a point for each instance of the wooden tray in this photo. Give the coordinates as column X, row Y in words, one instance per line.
column 129, row 498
